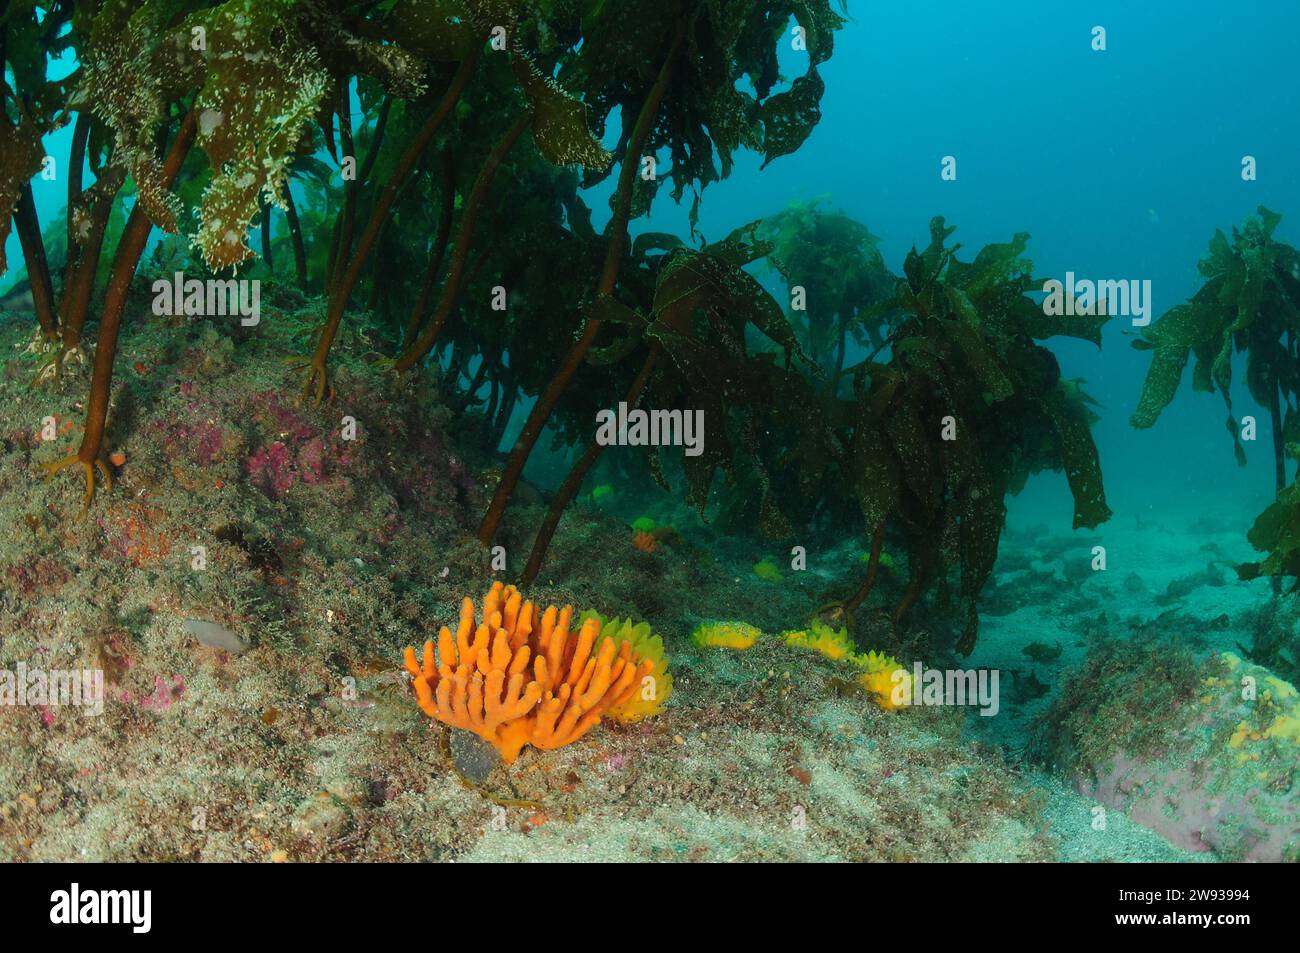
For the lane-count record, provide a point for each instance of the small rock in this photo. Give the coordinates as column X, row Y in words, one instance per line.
column 473, row 757
column 321, row 818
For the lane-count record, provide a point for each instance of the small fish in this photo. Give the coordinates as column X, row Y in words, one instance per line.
column 216, row 636
column 1042, row 652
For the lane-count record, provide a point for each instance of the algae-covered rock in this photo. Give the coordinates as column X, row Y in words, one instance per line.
column 1204, row 754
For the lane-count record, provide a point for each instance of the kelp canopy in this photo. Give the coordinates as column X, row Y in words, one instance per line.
column 829, row 258
column 925, row 446
column 964, row 410
column 1249, row 303
column 443, row 224
column 449, row 89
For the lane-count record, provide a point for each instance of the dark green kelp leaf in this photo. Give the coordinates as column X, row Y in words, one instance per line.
column 876, row 473
column 1085, row 327
column 1184, row 325
column 979, row 356
column 1161, row 384
column 438, row 30
column 264, row 84
column 1276, row 531
column 1081, row 461
column 20, row 158
column 560, row 127
column 911, row 441
column 983, row 514
column 789, row 117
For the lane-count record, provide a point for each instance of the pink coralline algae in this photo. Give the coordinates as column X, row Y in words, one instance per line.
column 166, row 692
column 201, row 443
column 272, row 470
column 164, row 695
column 275, row 469
column 299, row 451
column 311, row 461
column 43, row 574
column 207, row 443
column 268, row 409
